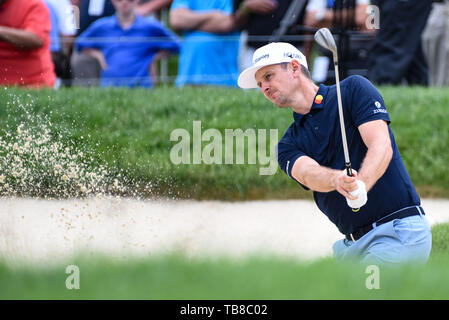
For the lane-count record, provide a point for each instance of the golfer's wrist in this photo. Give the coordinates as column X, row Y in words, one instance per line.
column 334, row 179
column 365, row 180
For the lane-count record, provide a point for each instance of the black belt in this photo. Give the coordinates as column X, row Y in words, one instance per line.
column 403, row 213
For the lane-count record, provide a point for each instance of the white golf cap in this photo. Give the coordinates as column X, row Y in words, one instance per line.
column 272, row 53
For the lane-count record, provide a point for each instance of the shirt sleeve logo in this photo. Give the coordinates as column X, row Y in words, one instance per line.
column 379, row 108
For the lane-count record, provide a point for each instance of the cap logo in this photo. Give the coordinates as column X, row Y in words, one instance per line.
column 267, row 55
column 291, row 55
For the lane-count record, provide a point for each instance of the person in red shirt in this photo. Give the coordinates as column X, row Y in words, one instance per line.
column 25, row 58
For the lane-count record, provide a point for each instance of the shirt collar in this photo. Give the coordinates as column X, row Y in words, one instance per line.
column 117, row 24
column 318, row 103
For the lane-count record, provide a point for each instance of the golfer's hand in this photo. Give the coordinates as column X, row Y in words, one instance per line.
column 97, row 55
column 360, row 193
column 345, row 184
column 102, row 61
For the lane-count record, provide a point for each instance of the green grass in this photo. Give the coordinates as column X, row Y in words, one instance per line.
column 440, row 238
column 129, row 132
column 176, row 277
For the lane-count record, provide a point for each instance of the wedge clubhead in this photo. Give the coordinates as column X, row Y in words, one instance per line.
column 325, row 39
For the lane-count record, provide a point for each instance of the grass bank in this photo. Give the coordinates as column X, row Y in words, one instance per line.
column 125, row 134
column 177, row 277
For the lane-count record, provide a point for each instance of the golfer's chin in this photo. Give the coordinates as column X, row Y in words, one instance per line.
column 277, row 99
column 280, row 102
column 280, row 106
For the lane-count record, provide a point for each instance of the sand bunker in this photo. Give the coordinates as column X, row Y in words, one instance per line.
column 48, row 231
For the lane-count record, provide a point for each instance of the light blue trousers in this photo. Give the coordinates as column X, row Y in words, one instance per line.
column 406, row 240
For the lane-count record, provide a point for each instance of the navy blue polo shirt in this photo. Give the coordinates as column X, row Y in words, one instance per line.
column 318, row 135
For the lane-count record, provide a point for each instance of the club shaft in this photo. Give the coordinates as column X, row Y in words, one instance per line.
column 342, row 120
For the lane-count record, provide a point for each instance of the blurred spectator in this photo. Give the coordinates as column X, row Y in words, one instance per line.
column 24, row 44
column 62, row 34
column 87, row 70
column 321, row 14
column 134, row 46
column 328, row 14
column 92, row 10
column 435, row 40
column 209, row 52
column 397, row 54
column 261, row 18
column 348, row 19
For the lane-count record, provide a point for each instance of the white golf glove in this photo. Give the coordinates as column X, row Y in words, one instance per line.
column 360, row 193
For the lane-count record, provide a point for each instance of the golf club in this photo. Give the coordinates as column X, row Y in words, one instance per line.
column 325, row 39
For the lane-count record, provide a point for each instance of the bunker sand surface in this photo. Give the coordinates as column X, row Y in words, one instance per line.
column 44, row 232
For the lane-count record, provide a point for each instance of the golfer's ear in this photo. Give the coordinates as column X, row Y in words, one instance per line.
column 296, row 66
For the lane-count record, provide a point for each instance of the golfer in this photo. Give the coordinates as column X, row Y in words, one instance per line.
column 391, row 226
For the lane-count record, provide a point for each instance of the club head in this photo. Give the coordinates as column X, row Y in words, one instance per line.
column 325, row 39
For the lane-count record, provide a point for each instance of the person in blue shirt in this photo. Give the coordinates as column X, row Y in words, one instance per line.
column 391, row 227
column 209, row 50
column 135, row 43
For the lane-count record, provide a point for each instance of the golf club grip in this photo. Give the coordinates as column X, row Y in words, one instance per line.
column 348, row 169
